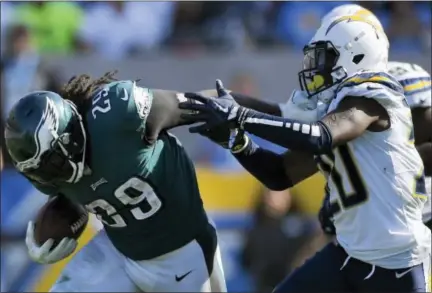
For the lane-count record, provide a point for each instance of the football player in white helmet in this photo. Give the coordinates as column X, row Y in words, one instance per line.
column 362, row 144
column 417, row 87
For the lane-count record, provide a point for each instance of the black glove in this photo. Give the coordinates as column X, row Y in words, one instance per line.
column 214, row 111
column 325, row 217
column 225, row 137
column 219, row 135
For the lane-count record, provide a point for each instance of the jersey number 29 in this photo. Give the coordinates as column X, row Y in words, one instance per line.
column 131, row 193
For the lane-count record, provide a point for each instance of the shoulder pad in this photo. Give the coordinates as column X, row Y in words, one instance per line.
column 138, row 107
column 416, row 83
column 142, row 101
column 299, row 107
column 371, row 77
column 374, row 85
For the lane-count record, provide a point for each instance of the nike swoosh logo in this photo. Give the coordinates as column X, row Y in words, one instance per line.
column 63, row 279
column 179, row 278
column 400, row 275
column 125, row 95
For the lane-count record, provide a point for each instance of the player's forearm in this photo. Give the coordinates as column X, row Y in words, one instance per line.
column 425, row 151
column 165, row 113
column 264, row 165
column 299, row 166
column 309, row 137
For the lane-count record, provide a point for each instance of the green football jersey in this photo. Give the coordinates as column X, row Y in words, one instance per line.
column 146, row 195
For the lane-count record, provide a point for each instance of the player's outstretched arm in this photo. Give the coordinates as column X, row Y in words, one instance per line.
column 266, row 166
column 422, row 120
column 352, row 117
column 349, row 120
column 166, row 114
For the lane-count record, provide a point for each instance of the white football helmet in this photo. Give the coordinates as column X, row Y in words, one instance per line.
column 340, row 48
column 356, row 11
column 351, row 9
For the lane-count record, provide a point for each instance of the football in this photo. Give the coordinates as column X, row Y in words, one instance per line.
column 60, row 218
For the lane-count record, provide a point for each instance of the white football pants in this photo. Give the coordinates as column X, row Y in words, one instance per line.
column 99, row 267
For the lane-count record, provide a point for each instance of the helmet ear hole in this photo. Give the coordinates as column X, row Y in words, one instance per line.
column 358, row 58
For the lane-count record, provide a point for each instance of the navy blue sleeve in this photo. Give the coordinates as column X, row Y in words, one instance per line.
column 292, row 134
column 265, row 165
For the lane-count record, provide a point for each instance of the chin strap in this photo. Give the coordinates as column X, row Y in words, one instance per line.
column 79, row 169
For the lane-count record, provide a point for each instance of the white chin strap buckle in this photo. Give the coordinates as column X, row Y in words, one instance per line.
column 78, row 171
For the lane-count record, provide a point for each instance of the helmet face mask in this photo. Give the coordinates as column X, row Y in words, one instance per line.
column 319, row 66
column 61, row 162
column 54, row 150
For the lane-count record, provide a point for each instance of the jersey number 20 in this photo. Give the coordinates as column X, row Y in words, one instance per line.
column 360, row 192
column 142, row 191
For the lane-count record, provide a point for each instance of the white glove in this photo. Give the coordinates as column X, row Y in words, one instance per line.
column 300, row 107
column 43, row 254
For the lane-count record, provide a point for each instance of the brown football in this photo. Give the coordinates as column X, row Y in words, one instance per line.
column 60, row 218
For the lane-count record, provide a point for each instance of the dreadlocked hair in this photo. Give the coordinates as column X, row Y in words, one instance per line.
column 80, row 88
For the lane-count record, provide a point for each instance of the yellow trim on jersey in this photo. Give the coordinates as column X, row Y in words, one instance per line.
column 429, row 283
column 374, row 77
column 411, row 142
column 417, row 86
column 414, row 191
column 52, row 272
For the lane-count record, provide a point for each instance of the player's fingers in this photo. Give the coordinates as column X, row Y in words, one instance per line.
column 62, row 250
column 196, row 97
column 29, row 239
column 46, row 247
column 192, row 118
column 30, row 228
column 65, row 247
column 62, row 244
column 188, row 118
column 220, row 88
column 70, row 245
column 192, row 106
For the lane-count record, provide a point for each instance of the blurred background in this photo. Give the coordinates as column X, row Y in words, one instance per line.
column 254, row 47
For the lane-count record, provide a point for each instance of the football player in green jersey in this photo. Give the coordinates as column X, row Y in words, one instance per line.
column 104, row 144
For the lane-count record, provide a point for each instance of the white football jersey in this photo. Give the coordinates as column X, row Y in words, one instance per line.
column 416, row 83
column 376, row 193
column 417, row 87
